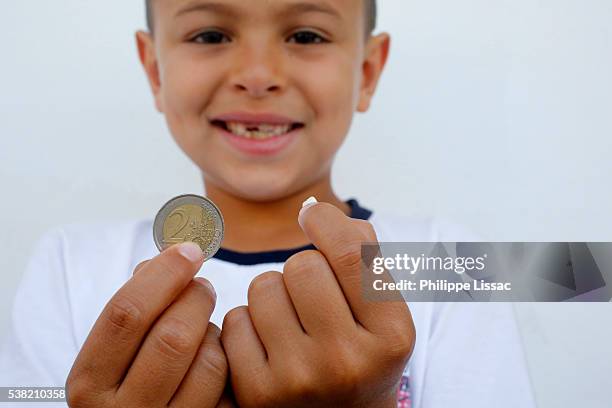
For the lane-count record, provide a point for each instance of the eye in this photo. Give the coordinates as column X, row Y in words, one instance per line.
column 210, row 37
column 307, row 37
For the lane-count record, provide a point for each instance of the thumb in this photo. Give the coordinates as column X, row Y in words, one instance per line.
column 364, row 226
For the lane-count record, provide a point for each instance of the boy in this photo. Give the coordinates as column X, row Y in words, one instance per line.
column 260, row 96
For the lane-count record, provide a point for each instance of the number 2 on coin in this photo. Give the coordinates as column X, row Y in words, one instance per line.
column 184, row 220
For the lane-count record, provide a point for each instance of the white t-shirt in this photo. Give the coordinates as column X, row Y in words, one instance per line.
column 466, row 354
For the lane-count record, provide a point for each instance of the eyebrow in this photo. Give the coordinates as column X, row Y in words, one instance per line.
column 293, row 8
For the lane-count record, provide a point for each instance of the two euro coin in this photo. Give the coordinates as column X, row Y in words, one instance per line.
column 192, row 218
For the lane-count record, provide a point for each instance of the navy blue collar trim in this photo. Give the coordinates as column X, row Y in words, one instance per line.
column 280, row 256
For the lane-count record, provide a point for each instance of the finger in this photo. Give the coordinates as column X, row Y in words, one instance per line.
column 339, row 238
column 119, row 330
column 273, row 315
column 170, row 347
column 316, row 294
column 205, row 381
column 245, row 353
column 140, row 266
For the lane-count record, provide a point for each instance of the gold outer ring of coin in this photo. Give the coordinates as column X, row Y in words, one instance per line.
column 189, row 217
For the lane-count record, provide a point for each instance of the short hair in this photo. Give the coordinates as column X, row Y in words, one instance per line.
column 370, row 15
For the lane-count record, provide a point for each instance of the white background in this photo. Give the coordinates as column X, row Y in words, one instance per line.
column 496, row 114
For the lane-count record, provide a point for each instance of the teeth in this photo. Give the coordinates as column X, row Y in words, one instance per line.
column 262, row 131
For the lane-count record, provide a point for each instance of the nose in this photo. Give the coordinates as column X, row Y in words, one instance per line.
column 258, row 71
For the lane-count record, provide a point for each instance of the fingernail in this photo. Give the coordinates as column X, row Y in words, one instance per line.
column 191, row 251
column 206, row 283
column 310, row 201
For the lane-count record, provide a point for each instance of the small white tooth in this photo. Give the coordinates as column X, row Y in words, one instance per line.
column 243, row 129
column 273, row 128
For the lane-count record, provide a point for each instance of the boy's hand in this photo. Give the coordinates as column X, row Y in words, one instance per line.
column 153, row 345
column 308, row 337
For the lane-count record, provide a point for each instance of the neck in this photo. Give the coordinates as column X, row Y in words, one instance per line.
column 252, row 226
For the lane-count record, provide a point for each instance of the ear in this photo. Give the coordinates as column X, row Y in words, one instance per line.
column 148, row 59
column 376, row 53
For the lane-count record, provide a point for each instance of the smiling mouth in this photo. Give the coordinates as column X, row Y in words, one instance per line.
column 258, row 131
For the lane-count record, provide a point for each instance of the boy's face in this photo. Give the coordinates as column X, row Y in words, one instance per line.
column 303, row 61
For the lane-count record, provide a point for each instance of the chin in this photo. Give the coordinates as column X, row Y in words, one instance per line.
column 263, row 192
column 261, row 189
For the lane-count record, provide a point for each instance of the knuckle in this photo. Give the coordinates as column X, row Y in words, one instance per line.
column 261, row 283
column 345, row 371
column 302, row 385
column 404, row 345
column 399, row 343
column 344, row 379
column 78, row 393
column 370, row 232
column 74, row 394
column 303, row 262
column 259, row 396
column 125, row 314
column 233, row 317
column 213, row 331
column 214, row 363
column 174, row 338
column 348, row 253
column 353, row 369
column 367, row 229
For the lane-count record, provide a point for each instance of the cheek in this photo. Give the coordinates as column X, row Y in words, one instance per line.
column 330, row 88
column 185, row 92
